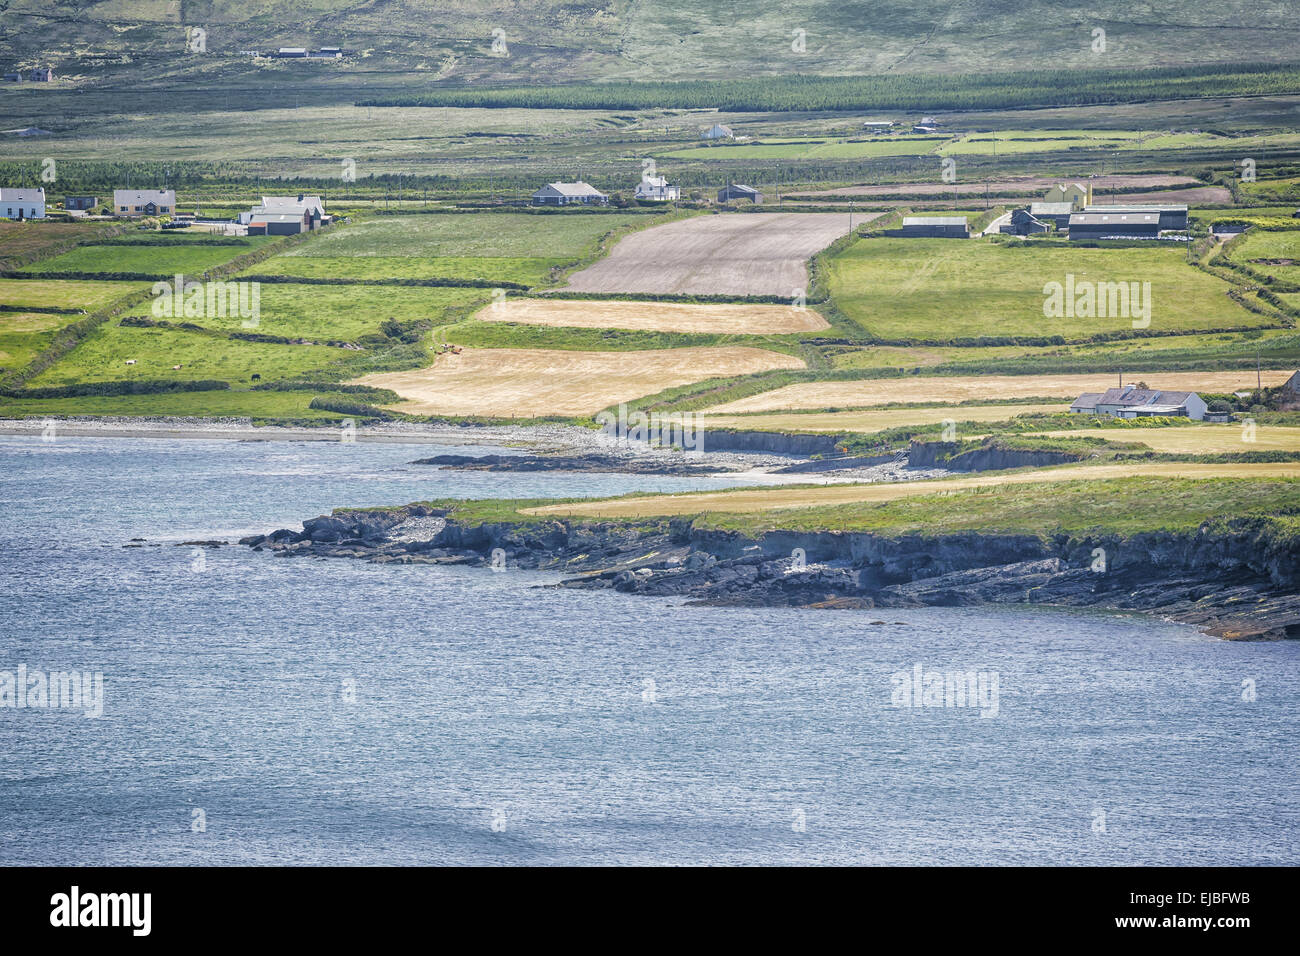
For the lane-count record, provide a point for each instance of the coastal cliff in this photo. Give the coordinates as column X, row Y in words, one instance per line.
column 1233, row 579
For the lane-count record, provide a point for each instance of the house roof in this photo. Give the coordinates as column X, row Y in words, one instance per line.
column 1292, row 384
column 934, row 221
column 1115, row 219
column 156, row 196
column 573, row 190
column 1051, row 208
column 279, row 203
column 1129, row 397
column 655, row 182
column 1087, row 400
column 22, row 194
column 737, row 187
column 264, row 218
column 717, row 129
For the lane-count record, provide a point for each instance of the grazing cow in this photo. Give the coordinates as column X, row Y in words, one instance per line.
column 256, row 378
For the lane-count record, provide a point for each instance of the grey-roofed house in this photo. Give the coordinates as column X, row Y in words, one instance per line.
column 1086, row 404
column 1057, row 213
column 279, row 223
column 933, row 227
column 1128, row 401
column 80, row 202
column 144, row 202
column 1171, row 217
column 569, row 194
column 1023, row 223
column 735, row 191
column 1135, row 225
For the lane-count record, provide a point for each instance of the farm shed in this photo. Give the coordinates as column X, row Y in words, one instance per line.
column 279, row 224
column 1057, row 213
column 734, row 191
column 1128, row 401
column 933, row 227
column 1023, row 223
column 1138, row 225
column 568, row 194
column 80, row 202
column 1171, row 217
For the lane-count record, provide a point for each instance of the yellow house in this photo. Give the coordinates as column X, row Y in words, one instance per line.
column 1076, row 194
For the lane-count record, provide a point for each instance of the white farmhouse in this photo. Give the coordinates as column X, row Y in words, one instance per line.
column 718, row 131
column 657, row 189
column 22, row 203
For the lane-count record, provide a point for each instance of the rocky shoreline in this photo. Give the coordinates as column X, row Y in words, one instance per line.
column 1234, row 584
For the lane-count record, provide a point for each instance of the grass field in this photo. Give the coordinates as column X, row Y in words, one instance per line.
column 885, row 391
column 23, row 334
column 337, row 312
column 524, row 383
column 190, row 259
column 962, row 511
column 209, row 404
column 527, row 270
column 75, row 294
column 726, row 254
column 875, row 421
column 102, row 357
column 21, row 241
column 725, row 319
column 1259, row 244
column 941, row 289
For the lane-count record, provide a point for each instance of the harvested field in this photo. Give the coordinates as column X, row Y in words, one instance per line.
column 1200, row 196
column 1018, row 185
column 725, row 319
column 883, row 391
column 726, row 254
column 1198, row 439
column 529, row 383
column 769, row 499
column 874, row 421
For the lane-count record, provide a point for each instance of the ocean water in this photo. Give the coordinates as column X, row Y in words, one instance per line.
column 284, row 710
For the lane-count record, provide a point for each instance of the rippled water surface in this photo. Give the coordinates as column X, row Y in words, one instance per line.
column 331, row 711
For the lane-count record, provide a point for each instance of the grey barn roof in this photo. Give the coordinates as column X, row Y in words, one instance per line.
column 934, row 221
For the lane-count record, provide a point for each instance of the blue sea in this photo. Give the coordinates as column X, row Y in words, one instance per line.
column 262, row 709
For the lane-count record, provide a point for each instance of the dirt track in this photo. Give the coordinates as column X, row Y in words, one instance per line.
column 768, row 499
column 527, row 383
column 725, row 254
column 882, row 391
column 657, row 316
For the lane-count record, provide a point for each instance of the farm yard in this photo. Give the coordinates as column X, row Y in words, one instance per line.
column 720, row 318
column 523, row 383
column 758, row 254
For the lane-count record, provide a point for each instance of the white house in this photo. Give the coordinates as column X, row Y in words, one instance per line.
column 568, row 194
column 1128, row 401
column 718, row 131
column 657, row 189
column 313, row 206
column 144, row 202
column 22, row 203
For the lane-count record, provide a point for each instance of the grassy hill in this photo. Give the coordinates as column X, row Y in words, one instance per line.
column 404, row 41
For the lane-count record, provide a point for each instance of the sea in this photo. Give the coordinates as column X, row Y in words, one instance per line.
column 245, row 708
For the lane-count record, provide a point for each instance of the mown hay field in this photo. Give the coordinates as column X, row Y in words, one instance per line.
column 728, row 319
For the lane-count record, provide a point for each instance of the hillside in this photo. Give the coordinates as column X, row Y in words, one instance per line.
column 402, row 41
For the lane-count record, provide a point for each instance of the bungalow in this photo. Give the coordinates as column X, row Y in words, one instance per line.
column 280, row 223
column 22, row 203
column 1129, row 401
column 144, row 202
column 1023, row 223
column 657, row 189
column 736, row 191
column 313, row 206
column 80, row 202
column 569, row 194
column 934, row 227
column 718, row 131
column 1143, row 225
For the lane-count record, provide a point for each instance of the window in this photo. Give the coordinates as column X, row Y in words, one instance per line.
column 162, row 208
column 124, row 209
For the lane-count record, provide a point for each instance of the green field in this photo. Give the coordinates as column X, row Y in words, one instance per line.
column 1259, row 244
column 905, row 145
column 336, row 312
column 944, row 289
column 529, row 271
column 24, row 334
column 207, row 404
column 102, row 357
column 74, row 294
column 190, row 259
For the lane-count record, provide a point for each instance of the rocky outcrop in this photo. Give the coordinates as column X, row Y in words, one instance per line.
column 605, row 464
column 1234, row 579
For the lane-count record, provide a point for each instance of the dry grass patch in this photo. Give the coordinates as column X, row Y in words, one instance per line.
column 874, row 421
column 883, row 391
column 769, row 499
column 529, row 383
column 656, row 316
column 1198, row 439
